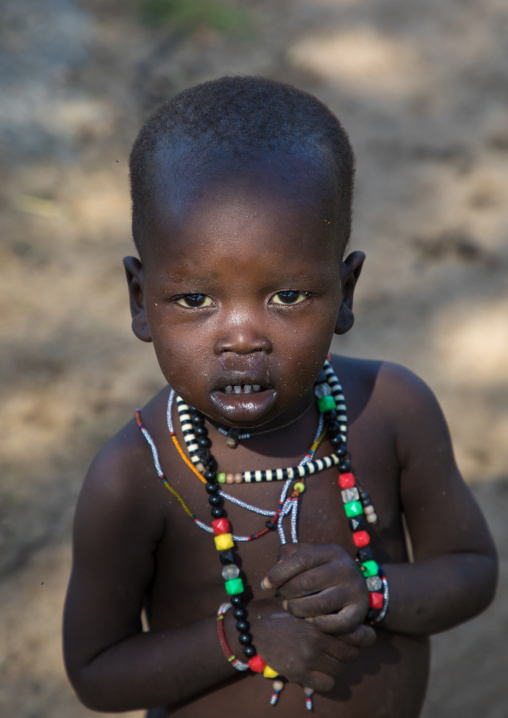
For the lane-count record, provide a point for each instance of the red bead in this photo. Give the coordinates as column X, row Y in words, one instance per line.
column 376, row 600
column 361, row 539
column 221, row 526
column 346, row 481
column 257, row 664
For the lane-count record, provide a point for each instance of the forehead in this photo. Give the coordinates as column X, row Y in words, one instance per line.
column 281, row 195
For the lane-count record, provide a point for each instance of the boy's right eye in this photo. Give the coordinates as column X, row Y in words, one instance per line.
column 195, row 301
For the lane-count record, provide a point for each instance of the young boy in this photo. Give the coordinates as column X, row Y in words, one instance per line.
column 242, row 192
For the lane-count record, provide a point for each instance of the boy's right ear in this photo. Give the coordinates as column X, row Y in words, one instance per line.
column 136, row 282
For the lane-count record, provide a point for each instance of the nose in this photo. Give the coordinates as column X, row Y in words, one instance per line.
column 242, row 332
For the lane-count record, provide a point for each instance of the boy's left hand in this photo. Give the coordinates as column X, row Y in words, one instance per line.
column 322, row 584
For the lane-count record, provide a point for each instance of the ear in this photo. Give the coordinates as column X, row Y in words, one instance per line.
column 136, row 281
column 349, row 272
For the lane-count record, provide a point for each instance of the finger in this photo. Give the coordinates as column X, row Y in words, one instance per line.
column 335, row 601
column 319, row 682
column 313, row 581
column 362, row 636
column 302, row 560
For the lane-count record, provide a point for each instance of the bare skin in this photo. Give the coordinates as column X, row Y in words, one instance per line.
column 269, row 320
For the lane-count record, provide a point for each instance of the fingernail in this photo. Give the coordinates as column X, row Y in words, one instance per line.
column 285, row 605
column 266, row 584
column 310, row 619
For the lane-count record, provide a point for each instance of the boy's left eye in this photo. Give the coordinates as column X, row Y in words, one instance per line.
column 195, row 301
column 289, row 297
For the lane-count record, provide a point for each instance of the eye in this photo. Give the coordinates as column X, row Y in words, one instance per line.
column 289, row 297
column 195, row 301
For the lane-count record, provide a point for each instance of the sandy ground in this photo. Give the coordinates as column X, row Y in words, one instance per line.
column 422, row 88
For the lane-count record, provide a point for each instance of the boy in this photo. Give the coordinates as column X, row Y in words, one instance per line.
column 242, row 192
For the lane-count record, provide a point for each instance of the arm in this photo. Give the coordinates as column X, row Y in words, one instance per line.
column 454, row 573
column 115, row 666
column 455, row 570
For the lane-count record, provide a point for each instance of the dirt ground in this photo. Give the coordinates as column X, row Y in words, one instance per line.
column 422, row 88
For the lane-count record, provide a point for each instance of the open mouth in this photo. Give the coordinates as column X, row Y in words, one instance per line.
column 243, row 388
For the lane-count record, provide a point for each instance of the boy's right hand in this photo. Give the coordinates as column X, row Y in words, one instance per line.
column 299, row 651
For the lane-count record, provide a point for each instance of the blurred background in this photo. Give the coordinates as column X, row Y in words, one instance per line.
column 422, row 88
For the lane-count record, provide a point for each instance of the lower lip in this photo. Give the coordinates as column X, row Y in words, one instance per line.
column 243, row 409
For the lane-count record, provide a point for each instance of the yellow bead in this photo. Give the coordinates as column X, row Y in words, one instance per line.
column 223, row 542
column 269, row 672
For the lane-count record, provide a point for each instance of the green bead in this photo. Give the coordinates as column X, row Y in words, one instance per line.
column 299, row 486
column 326, row 403
column 234, row 586
column 221, row 478
column 353, row 508
column 370, row 568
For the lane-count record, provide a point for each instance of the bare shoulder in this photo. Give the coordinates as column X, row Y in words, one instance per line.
column 118, row 485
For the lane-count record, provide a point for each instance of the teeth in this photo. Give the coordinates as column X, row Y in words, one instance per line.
column 241, row 388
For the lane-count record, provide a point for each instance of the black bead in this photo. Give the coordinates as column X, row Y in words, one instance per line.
column 357, row 524
column 364, row 497
column 330, row 415
column 236, row 600
column 239, row 614
column 227, row 557
column 218, row 512
column 211, row 464
column 340, row 451
column 215, row 500
column 200, row 431
column 204, row 441
column 270, row 525
column 249, row 651
column 344, row 465
column 211, row 475
column 333, row 427
column 212, row 488
column 245, row 639
column 197, row 419
column 364, row 554
column 242, row 626
column 204, row 455
column 337, row 440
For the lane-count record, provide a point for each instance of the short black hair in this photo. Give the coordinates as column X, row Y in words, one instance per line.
column 239, row 117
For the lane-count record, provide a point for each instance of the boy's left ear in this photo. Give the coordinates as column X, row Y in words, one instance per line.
column 350, row 270
column 135, row 282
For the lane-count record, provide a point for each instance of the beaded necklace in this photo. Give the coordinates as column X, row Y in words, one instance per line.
column 357, row 506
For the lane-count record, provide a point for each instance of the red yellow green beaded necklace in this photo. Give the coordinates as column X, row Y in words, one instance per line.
column 357, row 505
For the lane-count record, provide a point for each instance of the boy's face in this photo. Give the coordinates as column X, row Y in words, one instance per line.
column 240, row 292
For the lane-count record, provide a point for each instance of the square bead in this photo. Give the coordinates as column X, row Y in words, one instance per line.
column 364, row 554
column 350, row 495
column 227, row 557
column 234, row 586
column 357, row 523
column 326, row 403
column 361, row 539
column 353, row 508
column 347, row 480
column 370, row 568
column 256, row 664
column 376, row 601
column 374, row 583
column 221, row 526
column 223, row 542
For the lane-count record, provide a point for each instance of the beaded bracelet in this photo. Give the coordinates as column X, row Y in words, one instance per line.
column 235, row 662
column 376, row 615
